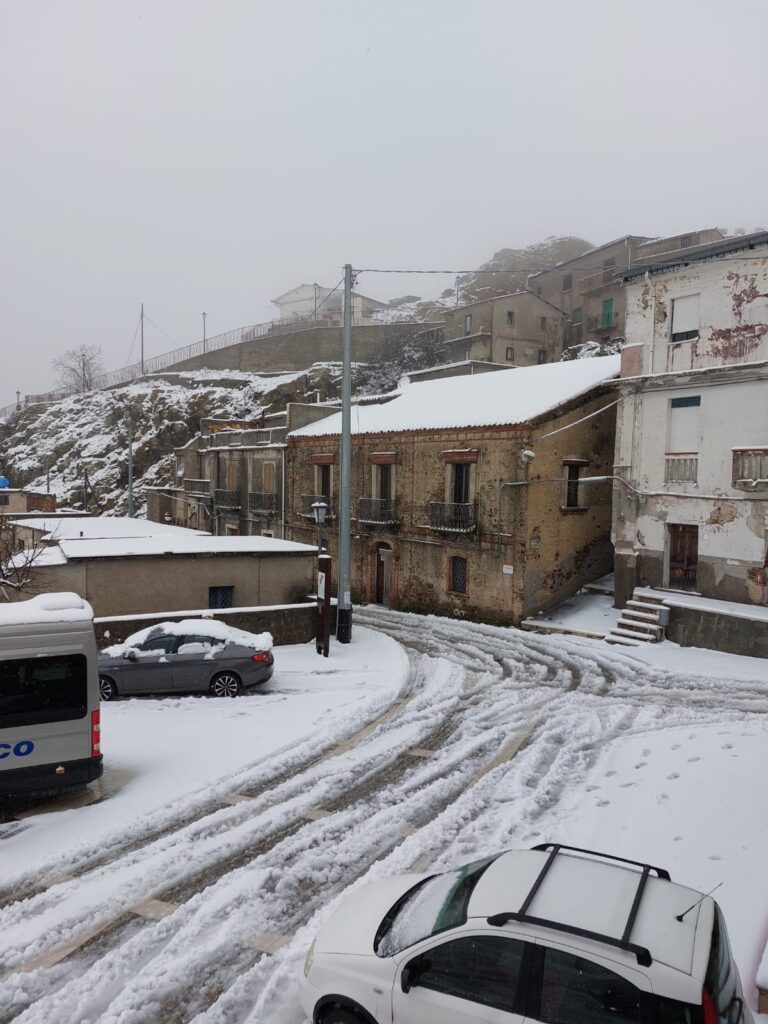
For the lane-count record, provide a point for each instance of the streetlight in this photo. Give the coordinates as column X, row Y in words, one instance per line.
column 319, row 512
column 204, row 316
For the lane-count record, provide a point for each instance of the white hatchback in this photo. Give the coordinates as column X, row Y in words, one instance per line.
column 554, row 934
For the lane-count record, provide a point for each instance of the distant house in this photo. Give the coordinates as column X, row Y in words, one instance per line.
column 519, row 329
column 472, row 495
column 692, row 431
column 15, row 501
column 317, row 304
column 134, row 567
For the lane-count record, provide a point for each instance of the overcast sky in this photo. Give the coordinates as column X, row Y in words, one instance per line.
column 211, row 154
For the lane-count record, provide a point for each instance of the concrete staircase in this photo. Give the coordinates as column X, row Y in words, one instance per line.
column 639, row 623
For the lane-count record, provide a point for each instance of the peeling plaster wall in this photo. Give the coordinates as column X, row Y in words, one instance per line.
column 733, row 314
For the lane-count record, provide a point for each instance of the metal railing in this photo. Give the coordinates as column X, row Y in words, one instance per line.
column 240, row 438
column 308, row 500
column 227, row 499
column 681, row 469
column 457, row 333
column 452, row 517
column 602, row 323
column 376, row 510
column 262, row 502
column 197, row 486
column 750, row 468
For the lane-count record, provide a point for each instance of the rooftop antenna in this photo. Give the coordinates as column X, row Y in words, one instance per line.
column 680, row 917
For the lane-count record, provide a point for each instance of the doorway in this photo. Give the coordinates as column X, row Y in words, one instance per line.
column 683, row 556
column 383, row 574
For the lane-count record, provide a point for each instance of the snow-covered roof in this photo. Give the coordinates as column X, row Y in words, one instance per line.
column 64, row 607
column 101, row 527
column 504, row 398
column 205, row 544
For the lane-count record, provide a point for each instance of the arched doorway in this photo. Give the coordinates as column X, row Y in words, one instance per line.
column 383, row 556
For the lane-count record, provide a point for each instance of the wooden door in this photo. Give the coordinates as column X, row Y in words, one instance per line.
column 683, row 556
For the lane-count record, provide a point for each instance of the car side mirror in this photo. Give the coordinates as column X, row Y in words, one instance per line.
column 130, row 654
column 406, row 977
column 412, row 972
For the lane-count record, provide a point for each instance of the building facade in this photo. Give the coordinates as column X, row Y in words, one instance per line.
column 471, row 496
column 315, row 303
column 691, row 510
column 519, row 329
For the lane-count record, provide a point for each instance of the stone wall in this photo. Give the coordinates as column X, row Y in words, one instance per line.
column 293, row 624
column 692, row 627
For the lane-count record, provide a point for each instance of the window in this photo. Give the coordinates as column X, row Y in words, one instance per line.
column 431, row 906
column 4, row 498
column 159, row 644
column 567, row 282
column 468, row 323
column 460, row 489
column 385, row 481
column 685, row 318
column 510, row 354
column 510, row 318
column 684, row 425
column 481, row 968
column 458, row 575
column 268, row 477
column 576, row 316
column 720, row 981
column 323, row 482
column 543, row 323
column 571, row 485
column 542, row 356
column 607, row 313
column 576, row 991
column 38, row 690
column 220, row 597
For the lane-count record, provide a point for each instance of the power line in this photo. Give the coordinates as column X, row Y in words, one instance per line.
column 564, row 267
column 148, row 317
column 135, row 335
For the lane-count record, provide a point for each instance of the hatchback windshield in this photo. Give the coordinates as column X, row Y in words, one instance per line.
column 432, row 906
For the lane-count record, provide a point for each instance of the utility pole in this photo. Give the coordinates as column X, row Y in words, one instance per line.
column 344, row 620
column 142, row 339
column 47, row 477
column 129, row 424
column 204, row 316
column 85, row 489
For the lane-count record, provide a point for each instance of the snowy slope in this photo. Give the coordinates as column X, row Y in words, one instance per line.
column 89, row 432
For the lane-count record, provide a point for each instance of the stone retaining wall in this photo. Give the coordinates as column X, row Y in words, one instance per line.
column 692, row 627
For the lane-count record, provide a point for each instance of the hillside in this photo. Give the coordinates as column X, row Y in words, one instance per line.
column 89, row 432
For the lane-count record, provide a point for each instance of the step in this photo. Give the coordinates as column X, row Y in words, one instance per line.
column 599, row 588
column 618, row 631
column 623, row 641
column 640, row 627
column 644, row 606
column 633, row 613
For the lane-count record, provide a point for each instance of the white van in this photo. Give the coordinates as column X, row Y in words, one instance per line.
column 50, row 730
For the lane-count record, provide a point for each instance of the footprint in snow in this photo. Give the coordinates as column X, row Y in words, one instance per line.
column 678, row 839
column 627, row 785
column 662, row 798
column 675, row 746
column 646, row 752
column 609, row 774
column 692, row 759
column 641, row 764
column 591, row 789
column 714, row 856
column 603, row 803
column 727, row 746
column 674, row 775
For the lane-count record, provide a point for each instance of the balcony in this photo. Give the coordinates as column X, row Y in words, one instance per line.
column 450, row 517
column 601, row 324
column 377, row 510
column 308, row 500
column 750, row 468
column 262, row 503
column 202, row 487
column 227, row 499
column 681, row 469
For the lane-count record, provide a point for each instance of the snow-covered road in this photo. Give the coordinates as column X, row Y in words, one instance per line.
column 497, row 739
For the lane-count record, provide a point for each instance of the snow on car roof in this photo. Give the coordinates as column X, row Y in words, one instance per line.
column 196, row 627
column 63, row 607
column 594, row 895
column 503, row 398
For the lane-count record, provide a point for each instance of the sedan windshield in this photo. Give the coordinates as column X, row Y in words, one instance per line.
column 432, row 906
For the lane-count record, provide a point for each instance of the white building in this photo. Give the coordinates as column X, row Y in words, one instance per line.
column 313, row 302
column 691, row 506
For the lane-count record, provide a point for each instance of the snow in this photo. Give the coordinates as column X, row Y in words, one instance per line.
column 201, row 613
column 203, row 544
column 46, row 608
column 101, row 527
column 505, row 397
column 195, row 627
column 588, row 613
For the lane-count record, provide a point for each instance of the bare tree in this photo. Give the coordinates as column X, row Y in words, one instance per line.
column 79, row 367
column 17, row 562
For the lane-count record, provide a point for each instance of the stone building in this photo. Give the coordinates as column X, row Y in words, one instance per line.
column 314, row 303
column 589, row 289
column 16, row 501
column 471, row 495
column 692, row 431
column 519, row 329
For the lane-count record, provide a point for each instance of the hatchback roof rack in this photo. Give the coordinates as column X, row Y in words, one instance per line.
column 622, row 942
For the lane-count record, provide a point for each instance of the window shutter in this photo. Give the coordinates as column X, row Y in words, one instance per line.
column 684, row 425
column 685, row 315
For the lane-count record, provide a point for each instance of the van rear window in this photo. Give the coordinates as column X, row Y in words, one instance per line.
column 34, row 691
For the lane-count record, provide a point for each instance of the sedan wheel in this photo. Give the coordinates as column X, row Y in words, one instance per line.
column 225, row 685
column 107, row 689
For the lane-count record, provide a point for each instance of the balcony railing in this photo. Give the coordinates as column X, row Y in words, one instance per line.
column 597, row 324
column 680, row 469
column 227, row 499
column 262, row 502
column 451, row 517
column 376, row 510
column 197, row 486
column 308, row 500
column 459, row 332
column 750, row 468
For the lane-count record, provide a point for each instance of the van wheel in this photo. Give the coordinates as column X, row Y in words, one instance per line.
column 107, row 689
column 226, row 684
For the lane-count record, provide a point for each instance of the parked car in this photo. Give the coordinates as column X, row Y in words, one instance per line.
column 191, row 656
column 554, row 934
